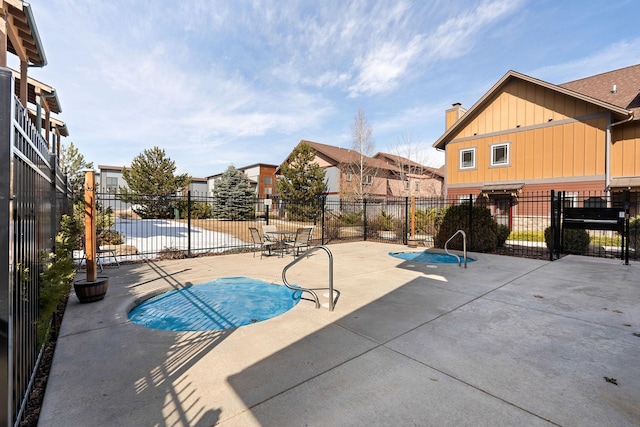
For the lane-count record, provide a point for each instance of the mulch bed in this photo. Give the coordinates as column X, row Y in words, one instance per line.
column 36, row 397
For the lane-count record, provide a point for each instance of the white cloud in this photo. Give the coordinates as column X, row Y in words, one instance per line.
column 617, row 55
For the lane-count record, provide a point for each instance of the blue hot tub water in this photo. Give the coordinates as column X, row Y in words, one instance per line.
column 220, row 304
column 428, row 257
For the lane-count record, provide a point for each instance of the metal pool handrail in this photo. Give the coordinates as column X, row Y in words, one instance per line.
column 332, row 301
column 464, row 247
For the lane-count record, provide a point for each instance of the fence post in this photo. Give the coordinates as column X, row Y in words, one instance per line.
column 266, row 213
column 470, row 242
column 189, row 223
column 6, row 243
column 364, row 223
column 406, row 221
column 54, row 204
column 552, row 217
column 627, row 230
column 324, row 205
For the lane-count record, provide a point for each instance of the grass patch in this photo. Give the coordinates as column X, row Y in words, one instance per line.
column 527, row 236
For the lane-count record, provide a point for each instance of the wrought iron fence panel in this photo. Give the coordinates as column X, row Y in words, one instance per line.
column 33, row 196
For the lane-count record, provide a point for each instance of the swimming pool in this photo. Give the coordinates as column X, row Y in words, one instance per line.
column 429, row 257
column 217, row 305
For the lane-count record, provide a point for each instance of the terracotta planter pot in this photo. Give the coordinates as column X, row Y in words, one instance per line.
column 91, row 291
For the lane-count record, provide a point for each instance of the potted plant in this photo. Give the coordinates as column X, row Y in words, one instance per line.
column 94, row 288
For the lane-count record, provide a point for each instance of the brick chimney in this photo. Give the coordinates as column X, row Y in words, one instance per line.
column 452, row 114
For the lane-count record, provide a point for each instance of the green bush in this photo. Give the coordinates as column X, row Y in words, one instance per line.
column 574, row 241
column 426, row 220
column 483, row 232
column 58, row 273
column 502, row 235
column 350, row 218
column 385, row 222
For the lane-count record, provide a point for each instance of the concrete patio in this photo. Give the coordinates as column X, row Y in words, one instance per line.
column 507, row 341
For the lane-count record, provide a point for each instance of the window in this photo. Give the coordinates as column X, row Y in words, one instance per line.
column 499, row 154
column 267, row 190
column 112, row 185
column 407, row 185
column 367, row 179
column 349, row 177
column 570, row 200
column 267, row 180
column 463, row 200
column 468, row 158
column 417, row 185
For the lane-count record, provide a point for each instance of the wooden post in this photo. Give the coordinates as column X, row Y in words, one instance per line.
column 3, row 35
column 90, row 225
column 413, row 243
column 413, row 217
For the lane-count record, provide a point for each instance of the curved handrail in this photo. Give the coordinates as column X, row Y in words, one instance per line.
column 332, row 301
column 464, row 247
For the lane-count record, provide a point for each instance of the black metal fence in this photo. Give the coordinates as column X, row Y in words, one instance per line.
column 33, row 196
column 184, row 225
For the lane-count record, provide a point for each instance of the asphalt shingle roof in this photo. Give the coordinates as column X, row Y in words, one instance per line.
column 601, row 86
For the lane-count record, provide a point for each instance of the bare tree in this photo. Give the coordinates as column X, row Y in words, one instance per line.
column 410, row 157
column 361, row 170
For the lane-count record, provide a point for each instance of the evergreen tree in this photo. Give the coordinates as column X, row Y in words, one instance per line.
column 152, row 184
column 234, row 197
column 72, row 163
column 302, row 183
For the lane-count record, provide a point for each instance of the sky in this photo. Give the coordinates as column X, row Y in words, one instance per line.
column 219, row 83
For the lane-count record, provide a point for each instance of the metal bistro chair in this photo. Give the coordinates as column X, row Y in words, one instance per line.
column 100, row 253
column 302, row 240
column 258, row 240
column 267, row 230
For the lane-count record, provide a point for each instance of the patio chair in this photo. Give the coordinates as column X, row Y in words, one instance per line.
column 302, row 240
column 267, row 230
column 100, row 253
column 258, row 240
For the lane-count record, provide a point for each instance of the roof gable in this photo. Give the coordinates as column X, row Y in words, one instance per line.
column 619, row 112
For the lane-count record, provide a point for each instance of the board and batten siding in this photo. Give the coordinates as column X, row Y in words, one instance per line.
column 625, row 150
column 550, row 135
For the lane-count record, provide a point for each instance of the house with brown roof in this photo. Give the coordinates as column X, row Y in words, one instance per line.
column 351, row 176
column 528, row 135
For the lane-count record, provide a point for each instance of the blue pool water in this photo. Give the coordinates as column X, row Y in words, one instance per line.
column 220, row 304
column 429, row 257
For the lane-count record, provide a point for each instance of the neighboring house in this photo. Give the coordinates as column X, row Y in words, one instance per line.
column 528, row 135
column 262, row 178
column 385, row 175
column 109, row 179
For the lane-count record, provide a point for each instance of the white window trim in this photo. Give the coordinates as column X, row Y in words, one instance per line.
column 507, row 157
column 367, row 180
column 466, row 150
column 348, row 177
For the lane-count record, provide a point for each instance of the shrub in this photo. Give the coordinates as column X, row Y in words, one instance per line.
column 385, row 222
column 483, row 231
column 58, row 273
column 426, row 220
column 502, row 235
column 574, row 241
column 350, row 218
